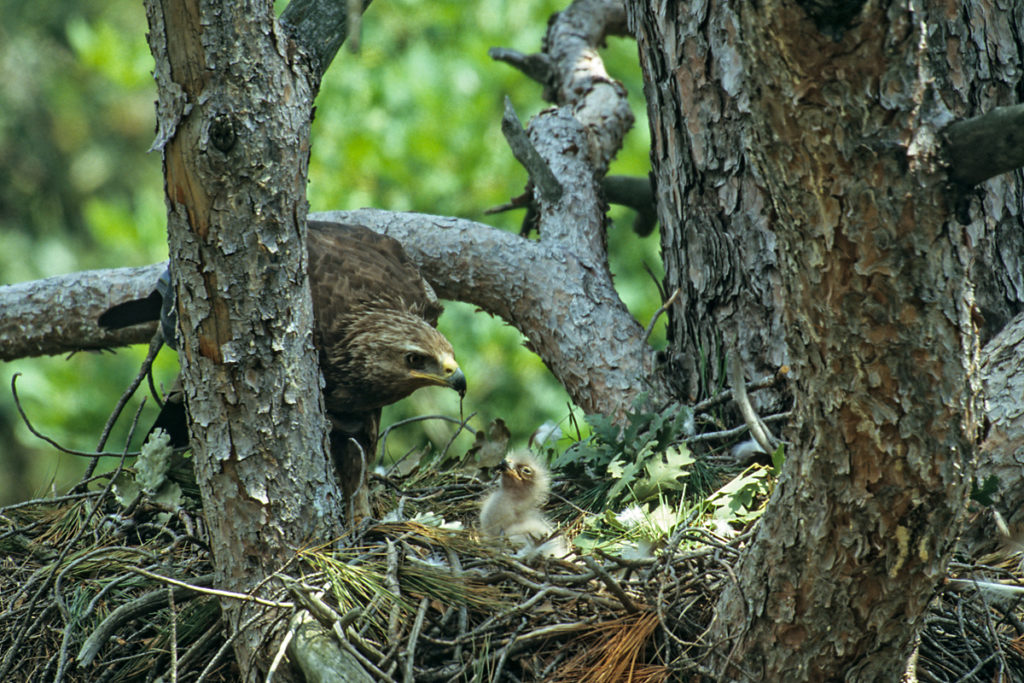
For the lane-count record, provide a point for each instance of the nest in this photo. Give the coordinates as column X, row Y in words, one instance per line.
column 111, row 583
column 95, row 591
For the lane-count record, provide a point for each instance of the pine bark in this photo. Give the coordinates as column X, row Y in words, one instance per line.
column 832, row 142
column 233, row 124
column 717, row 244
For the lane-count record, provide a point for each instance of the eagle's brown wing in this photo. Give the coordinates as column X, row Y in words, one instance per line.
column 352, row 268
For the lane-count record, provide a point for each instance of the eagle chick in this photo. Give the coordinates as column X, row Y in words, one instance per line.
column 513, row 511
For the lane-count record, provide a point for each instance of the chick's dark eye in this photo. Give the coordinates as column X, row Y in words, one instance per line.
column 527, row 471
column 416, row 361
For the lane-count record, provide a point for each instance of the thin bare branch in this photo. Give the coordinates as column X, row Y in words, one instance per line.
column 52, row 442
column 536, row 66
column 524, row 151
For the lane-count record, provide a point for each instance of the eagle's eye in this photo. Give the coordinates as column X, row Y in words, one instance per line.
column 416, row 361
column 526, row 471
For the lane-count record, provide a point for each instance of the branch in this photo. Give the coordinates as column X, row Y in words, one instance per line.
column 59, row 314
column 985, row 146
column 636, row 193
column 536, row 66
column 594, row 98
column 319, row 27
column 526, row 154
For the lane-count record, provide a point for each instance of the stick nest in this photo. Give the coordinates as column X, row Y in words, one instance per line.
column 91, row 590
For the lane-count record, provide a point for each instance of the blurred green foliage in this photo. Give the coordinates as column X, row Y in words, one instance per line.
column 410, row 122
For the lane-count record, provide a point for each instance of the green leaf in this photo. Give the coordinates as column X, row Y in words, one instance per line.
column 778, row 459
column 665, row 471
column 624, row 473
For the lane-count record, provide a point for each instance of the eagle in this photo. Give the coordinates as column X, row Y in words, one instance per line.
column 375, row 321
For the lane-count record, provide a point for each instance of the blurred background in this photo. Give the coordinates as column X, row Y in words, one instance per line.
column 409, row 123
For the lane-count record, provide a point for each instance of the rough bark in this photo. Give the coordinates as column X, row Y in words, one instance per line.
column 58, row 314
column 1001, row 454
column 837, row 123
column 717, row 246
column 878, row 302
column 233, row 124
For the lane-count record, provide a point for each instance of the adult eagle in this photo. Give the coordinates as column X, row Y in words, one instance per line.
column 375, row 319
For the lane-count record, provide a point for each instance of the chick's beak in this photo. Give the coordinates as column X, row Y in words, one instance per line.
column 506, row 470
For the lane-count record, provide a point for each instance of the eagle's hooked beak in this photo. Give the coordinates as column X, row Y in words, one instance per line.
column 451, row 376
column 457, row 381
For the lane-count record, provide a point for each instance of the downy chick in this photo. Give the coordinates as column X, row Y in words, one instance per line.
column 513, row 511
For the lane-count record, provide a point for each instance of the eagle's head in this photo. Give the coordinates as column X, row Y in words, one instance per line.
column 524, row 478
column 386, row 356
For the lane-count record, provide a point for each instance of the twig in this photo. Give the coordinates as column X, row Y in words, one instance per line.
column 226, row 645
column 991, row 587
column 757, row 427
column 553, row 630
column 174, row 634
column 380, row 675
column 282, row 650
column 39, row 435
column 521, row 201
column 414, row 635
column 727, row 434
column 243, row 597
column 462, row 425
column 503, row 656
column 723, row 396
column 147, row 364
column 157, row 397
column 611, row 584
column 394, row 637
column 456, row 569
column 536, row 66
column 48, row 501
column 350, row 503
column 658, row 313
column 420, row 418
column 200, row 645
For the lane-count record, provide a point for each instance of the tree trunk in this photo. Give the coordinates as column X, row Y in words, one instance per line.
column 841, row 133
column 717, row 246
column 234, row 115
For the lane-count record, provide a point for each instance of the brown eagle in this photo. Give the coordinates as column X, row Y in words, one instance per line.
column 375, row 319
